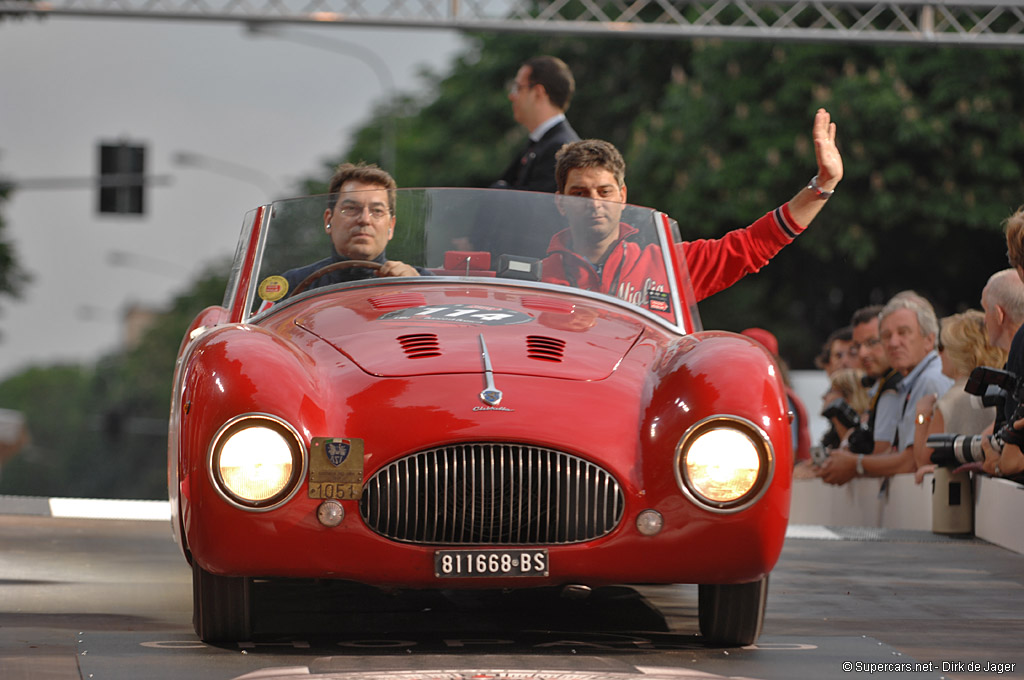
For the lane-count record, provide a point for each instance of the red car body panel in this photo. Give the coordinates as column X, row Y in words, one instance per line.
column 239, row 369
column 620, row 392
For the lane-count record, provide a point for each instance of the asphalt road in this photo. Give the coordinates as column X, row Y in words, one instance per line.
column 108, row 599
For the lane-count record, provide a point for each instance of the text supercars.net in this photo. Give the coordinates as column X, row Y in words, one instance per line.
column 929, row 667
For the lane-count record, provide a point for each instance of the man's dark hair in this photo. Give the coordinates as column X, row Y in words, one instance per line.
column 845, row 334
column 364, row 173
column 865, row 315
column 588, row 153
column 555, row 76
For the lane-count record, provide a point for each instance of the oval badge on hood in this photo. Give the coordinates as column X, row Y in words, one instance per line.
column 475, row 315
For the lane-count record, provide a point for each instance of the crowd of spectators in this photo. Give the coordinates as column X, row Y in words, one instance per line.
column 897, row 379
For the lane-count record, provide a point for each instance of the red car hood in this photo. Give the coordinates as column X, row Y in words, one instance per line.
column 437, row 330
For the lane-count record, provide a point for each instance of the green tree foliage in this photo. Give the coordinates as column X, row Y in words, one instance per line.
column 101, row 431
column 718, row 133
column 56, row 402
column 463, row 134
column 933, row 148
column 12, row 277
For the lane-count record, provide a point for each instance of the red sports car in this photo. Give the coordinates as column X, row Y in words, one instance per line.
column 488, row 424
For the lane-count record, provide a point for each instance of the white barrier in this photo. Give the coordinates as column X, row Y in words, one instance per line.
column 902, row 504
column 85, row 508
column 998, row 506
column 864, row 503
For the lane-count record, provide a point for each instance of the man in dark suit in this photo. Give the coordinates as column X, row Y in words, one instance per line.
column 540, row 96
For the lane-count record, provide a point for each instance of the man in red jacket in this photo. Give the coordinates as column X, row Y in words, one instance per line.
column 594, row 251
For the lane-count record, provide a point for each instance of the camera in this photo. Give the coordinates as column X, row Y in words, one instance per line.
column 860, row 439
column 953, row 450
column 841, row 411
column 994, row 387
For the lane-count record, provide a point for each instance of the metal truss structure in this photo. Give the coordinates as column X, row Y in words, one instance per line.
column 978, row 23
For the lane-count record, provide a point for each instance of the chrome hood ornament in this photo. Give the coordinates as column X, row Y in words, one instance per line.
column 491, row 394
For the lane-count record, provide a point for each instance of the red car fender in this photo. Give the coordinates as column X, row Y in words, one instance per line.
column 708, row 374
column 215, row 386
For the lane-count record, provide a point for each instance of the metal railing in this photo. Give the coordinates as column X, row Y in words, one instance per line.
column 978, row 23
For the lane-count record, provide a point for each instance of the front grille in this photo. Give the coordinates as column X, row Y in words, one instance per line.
column 492, row 494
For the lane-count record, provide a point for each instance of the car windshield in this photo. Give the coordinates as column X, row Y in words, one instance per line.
column 576, row 245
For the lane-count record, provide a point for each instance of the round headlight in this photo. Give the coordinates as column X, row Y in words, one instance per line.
column 257, row 461
column 724, row 463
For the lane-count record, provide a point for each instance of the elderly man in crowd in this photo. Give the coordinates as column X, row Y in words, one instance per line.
column 1002, row 299
column 908, row 329
column 1010, row 461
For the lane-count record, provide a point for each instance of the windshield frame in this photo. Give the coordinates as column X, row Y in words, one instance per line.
column 242, row 291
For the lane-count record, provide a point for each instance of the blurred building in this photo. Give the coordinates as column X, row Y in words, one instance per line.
column 136, row 321
column 13, row 433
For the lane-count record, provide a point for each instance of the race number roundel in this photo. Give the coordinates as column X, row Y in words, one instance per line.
column 474, row 315
column 273, row 288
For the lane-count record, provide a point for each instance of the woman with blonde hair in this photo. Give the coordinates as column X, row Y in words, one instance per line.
column 963, row 346
column 845, row 385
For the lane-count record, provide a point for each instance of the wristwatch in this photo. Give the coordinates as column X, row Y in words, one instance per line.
column 821, row 193
column 860, row 465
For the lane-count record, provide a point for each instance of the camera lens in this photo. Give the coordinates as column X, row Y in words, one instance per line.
column 967, row 448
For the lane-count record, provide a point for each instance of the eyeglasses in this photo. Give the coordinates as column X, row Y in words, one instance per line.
column 514, row 87
column 351, row 212
column 856, row 347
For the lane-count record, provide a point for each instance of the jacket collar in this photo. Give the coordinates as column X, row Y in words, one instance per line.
column 562, row 241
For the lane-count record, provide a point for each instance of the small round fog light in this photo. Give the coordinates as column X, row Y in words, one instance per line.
column 330, row 513
column 649, row 522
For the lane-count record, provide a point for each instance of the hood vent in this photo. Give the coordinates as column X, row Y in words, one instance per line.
column 543, row 304
column 420, row 345
column 543, row 348
column 397, row 301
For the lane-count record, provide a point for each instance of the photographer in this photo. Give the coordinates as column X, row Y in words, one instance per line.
column 883, row 412
column 908, row 329
column 963, row 346
column 1006, row 463
column 845, row 402
column 1010, row 461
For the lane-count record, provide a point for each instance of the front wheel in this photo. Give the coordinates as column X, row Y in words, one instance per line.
column 732, row 614
column 221, row 606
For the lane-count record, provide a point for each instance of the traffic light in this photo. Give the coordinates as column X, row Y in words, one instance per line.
column 122, row 180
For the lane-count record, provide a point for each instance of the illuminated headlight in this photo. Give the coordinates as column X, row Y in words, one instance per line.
column 724, row 463
column 257, row 461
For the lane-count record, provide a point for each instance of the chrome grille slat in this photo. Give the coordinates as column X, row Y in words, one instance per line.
column 490, row 493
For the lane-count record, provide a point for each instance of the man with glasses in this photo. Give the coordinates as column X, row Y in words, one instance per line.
column 359, row 225
column 540, row 96
column 908, row 328
column 884, row 410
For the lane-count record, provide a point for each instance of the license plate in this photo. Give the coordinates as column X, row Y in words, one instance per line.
column 490, row 563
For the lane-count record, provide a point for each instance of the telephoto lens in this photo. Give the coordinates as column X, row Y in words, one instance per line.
column 959, row 449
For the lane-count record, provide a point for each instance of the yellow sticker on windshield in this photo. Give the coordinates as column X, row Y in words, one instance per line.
column 273, row 288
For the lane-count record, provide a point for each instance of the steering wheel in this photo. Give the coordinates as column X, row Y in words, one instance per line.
column 333, row 267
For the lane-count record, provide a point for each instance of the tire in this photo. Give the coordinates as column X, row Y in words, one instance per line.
column 221, row 606
column 731, row 615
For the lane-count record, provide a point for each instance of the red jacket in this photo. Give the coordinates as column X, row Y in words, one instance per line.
column 629, row 271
